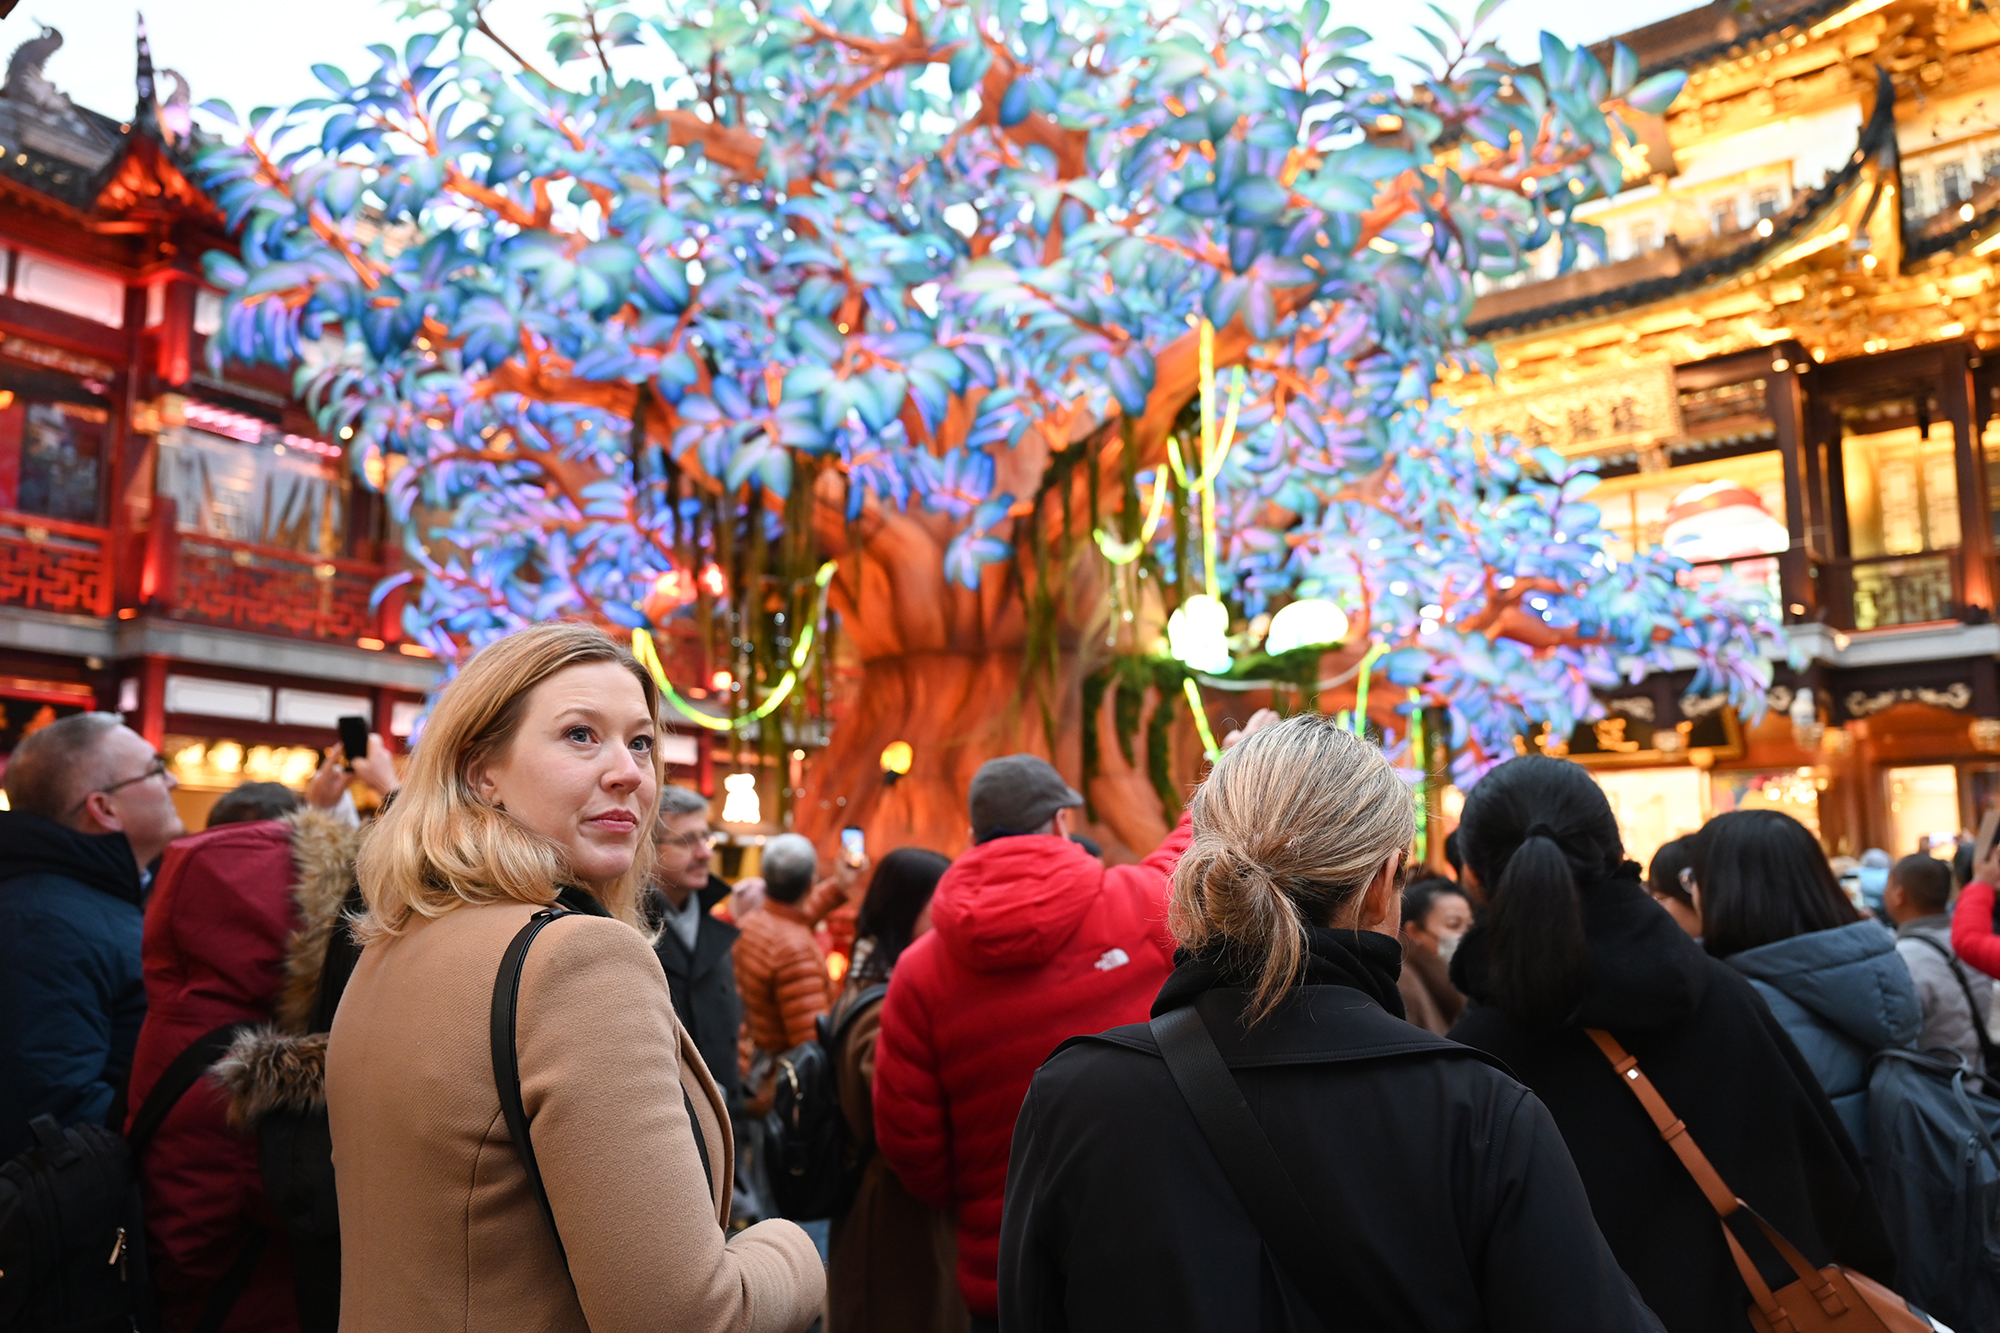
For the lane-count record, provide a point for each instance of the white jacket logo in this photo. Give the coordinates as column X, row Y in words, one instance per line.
column 1112, row 958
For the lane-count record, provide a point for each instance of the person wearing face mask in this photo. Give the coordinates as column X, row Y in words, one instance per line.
column 1436, row 915
column 535, row 787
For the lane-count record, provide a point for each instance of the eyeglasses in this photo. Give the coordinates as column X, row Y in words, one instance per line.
column 690, row 842
column 156, row 769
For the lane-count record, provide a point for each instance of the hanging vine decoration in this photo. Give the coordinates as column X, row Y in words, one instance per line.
column 649, row 657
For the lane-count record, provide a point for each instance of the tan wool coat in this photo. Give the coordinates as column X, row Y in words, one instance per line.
column 438, row 1227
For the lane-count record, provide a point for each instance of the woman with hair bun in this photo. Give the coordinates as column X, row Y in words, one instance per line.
column 534, row 788
column 1573, row 942
column 1429, row 1191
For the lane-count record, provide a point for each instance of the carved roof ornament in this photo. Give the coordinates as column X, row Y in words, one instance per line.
column 26, row 82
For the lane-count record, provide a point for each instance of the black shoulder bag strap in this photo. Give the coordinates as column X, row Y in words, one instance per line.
column 1291, row 1234
column 173, row 1084
column 175, row 1081
column 1987, row 1050
column 507, row 1069
column 507, row 1061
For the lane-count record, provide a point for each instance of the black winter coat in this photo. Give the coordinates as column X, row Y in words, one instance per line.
column 1441, row 1184
column 704, row 989
column 1725, row 1065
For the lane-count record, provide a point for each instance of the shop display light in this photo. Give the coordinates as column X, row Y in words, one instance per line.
column 740, row 803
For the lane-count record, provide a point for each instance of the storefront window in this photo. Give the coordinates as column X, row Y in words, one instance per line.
column 1791, row 791
column 1902, row 493
column 49, row 456
column 265, row 493
column 1725, row 516
column 1923, row 804
column 1654, row 805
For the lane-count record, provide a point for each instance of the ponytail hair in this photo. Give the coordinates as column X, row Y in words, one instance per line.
column 1538, row 832
column 1290, row 825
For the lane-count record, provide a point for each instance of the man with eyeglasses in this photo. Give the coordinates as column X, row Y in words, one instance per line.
column 694, row 945
column 90, row 807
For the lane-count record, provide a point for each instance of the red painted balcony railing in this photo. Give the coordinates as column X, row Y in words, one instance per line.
column 270, row 591
column 50, row 565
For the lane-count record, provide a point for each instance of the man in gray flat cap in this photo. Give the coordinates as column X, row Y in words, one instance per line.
column 1033, row 941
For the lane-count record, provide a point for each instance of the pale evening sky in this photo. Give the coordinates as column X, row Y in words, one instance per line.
column 259, row 52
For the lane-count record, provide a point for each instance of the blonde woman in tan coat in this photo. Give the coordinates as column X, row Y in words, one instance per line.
column 537, row 776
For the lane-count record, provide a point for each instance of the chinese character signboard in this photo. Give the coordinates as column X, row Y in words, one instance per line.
column 1626, row 411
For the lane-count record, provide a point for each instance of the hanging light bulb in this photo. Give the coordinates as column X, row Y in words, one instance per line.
column 896, row 759
column 1197, row 634
column 1306, row 623
column 740, row 804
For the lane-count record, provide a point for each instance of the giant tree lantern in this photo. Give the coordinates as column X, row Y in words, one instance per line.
column 1034, row 345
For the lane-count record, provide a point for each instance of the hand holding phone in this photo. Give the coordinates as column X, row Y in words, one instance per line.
column 353, row 738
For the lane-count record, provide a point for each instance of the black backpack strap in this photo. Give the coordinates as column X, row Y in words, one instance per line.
column 851, row 1011
column 1290, row 1232
column 179, row 1076
column 1987, row 1051
column 234, row 1283
column 507, row 1063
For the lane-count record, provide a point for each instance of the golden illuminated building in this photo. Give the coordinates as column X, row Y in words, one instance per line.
column 1784, row 366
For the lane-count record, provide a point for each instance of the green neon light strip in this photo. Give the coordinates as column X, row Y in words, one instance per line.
column 649, row 657
column 1208, row 744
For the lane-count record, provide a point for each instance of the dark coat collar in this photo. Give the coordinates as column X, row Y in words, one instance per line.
column 1313, row 1025
column 32, row 845
column 712, row 941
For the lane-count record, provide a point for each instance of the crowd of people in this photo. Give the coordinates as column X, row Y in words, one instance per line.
column 513, row 1055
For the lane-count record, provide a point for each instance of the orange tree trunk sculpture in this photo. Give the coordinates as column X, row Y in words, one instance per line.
column 1002, row 339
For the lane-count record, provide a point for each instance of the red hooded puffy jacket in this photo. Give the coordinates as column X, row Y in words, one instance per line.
column 226, row 941
column 1034, row 942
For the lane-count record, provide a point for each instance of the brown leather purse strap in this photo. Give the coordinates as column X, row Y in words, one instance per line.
column 1720, row 1197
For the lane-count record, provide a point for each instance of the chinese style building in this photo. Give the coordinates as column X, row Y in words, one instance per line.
column 177, row 543
column 1786, row 371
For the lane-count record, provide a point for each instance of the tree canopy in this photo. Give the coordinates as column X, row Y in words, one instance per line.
column 932, row 284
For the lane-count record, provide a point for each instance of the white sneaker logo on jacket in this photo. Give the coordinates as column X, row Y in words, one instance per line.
column 1112, row 958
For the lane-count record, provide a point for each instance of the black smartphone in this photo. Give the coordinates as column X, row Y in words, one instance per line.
column 354, row 738
column 853, row 846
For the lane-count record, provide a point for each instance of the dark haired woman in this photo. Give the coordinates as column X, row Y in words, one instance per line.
column 1571, row 943
column 1431, row 1191
column 1668, row 880
column 885, row 1274
column 1772, row 910
column 1436, row 915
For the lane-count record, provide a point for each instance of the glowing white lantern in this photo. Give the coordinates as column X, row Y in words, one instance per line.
column 1305, row 624
column 1198, row 633
column 739, row 803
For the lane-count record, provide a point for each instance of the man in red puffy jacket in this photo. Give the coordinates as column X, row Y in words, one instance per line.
column 1034, row 941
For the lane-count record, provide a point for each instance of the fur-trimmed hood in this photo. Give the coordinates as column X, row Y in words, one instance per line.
column 283, row 1066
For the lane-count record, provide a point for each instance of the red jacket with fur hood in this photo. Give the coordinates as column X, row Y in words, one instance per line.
column 236, row 930
column 1034, row 941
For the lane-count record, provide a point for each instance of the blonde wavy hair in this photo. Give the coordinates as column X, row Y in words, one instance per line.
column 439, row 846
column 1290, row 825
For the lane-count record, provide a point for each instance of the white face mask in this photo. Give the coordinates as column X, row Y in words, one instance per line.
column 1447, row 946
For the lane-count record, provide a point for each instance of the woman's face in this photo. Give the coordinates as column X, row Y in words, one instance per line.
column 579, row 770
column 1443, row 926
